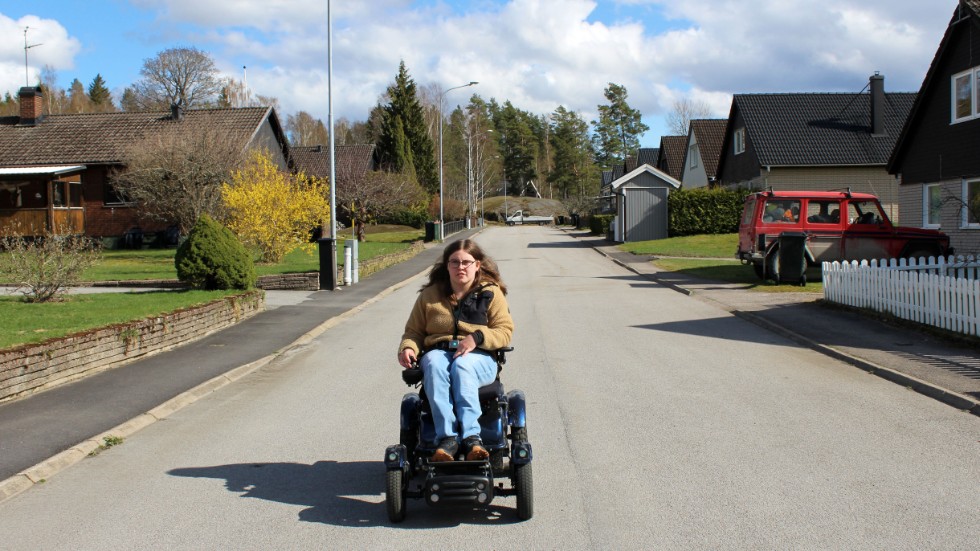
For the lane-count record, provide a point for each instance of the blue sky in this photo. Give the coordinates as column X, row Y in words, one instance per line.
column 538, row 54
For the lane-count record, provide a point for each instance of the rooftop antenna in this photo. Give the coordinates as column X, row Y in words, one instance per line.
column 245, row 85
column 27, row 79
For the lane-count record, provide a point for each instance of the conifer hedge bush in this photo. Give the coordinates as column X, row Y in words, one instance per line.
column 212, row 258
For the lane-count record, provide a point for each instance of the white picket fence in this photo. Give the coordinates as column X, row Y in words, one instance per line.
column 942, row 292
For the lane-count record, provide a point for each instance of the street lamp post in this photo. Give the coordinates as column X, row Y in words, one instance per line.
column 442, row 221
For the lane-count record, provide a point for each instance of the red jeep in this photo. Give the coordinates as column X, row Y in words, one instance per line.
column 836, row 225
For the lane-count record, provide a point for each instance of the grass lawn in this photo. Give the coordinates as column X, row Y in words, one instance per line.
column 22, row 322
column 711, row 257
column 698, row 246
column 144, row 264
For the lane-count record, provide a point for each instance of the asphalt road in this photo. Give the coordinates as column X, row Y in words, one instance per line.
column 658, row 422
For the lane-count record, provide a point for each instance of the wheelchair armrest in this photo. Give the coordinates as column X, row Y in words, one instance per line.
column 500, row 354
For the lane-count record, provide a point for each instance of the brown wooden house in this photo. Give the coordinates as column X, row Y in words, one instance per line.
column 55, row 169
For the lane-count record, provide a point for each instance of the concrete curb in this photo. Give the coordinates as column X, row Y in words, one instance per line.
column 39, row 473
column 925, row 388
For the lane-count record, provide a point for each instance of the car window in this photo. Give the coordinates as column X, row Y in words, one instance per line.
column 823, row 212
column 864, row 212
column 785, row 211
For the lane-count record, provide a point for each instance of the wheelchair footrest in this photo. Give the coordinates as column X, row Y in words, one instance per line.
column 458, row 489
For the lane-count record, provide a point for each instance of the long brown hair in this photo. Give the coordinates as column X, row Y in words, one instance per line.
column 488, row 272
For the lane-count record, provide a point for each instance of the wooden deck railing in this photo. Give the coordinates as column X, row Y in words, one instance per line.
column 35, row 221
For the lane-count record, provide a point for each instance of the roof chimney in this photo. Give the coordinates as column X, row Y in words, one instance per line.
column 877, row 104
column 31, row 105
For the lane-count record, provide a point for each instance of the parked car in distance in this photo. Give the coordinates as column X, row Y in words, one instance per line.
column 838, row 225
column 520, row 218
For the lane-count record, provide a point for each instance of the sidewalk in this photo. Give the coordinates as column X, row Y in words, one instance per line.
column 47, row 432
column 937, row 368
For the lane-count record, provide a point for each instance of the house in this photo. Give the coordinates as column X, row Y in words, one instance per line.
column 936, row 159
column 55, row 169
column 671, row 156
column 702, row 150
column 644, row 156
column 353, row 161
column 815, row 141
column 640, row 204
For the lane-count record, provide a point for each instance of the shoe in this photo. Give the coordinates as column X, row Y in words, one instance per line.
column 475, row 450
column 446, row 451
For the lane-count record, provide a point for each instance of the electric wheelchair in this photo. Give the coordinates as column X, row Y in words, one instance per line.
column 461, row 483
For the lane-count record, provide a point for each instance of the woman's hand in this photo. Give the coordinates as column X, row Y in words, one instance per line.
column 465, row 346
column 406, row 357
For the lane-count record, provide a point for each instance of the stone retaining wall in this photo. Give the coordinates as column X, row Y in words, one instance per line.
column 34, row 367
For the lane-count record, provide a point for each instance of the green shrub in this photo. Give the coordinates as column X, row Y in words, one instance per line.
column 704, row 211
column 599, row 223
column 414, row 217
column 213, row 258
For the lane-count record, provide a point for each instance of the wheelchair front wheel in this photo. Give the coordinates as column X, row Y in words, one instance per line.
column 395, row 497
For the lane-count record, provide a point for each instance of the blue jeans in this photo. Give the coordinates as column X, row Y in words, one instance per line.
column 453, row 388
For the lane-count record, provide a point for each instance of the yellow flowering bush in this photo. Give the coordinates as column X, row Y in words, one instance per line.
column 274, row 211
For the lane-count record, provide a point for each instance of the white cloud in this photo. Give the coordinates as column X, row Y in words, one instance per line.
column 48, row 45
column 542, row 53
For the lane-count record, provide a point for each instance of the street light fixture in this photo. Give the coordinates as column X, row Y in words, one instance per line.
column 442, row 221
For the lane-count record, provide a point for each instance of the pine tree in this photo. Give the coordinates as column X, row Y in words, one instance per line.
column 574, row 171
column 405, row 109
column 618, row 130
column 99, row 95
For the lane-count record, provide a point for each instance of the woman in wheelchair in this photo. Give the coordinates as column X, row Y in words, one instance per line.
column 460, row 316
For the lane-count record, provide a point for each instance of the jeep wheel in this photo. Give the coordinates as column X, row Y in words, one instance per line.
column 757, row 266
column 772, row 266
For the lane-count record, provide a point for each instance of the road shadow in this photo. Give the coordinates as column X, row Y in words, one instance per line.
column 333, row 492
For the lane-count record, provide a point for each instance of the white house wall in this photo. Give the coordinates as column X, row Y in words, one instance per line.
column 693, row 177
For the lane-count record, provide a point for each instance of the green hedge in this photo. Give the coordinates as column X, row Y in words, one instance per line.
column 599, row 223
column 704, row 211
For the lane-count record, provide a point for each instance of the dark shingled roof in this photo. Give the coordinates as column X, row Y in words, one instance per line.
column 351, row 160
column 820, row 129
column 648, row 156
column 672, row 150
column 710, row 133
column 102, row 138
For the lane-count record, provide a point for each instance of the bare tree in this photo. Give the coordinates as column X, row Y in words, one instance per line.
column 186, row 77
column 376, row 194
column 176, row 175
column 683, row 112
column 303, row 129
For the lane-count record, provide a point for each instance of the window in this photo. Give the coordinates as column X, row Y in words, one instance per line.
column 739, row 139
column 931, row 205
column 965, row 95
column 971, row 204
column 785, row 211
column 864, row 212
column 693, row 154
column 111, row 196
column 823, row 212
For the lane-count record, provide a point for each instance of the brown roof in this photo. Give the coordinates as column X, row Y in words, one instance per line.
column 672, row 149
column 709, row 133
column 103, row 138
column 351, row 160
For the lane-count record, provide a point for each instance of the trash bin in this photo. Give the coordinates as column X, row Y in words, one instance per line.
column 790, row 259
column 432, row 231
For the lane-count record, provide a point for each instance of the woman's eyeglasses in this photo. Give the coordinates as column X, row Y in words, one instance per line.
column 461, row 264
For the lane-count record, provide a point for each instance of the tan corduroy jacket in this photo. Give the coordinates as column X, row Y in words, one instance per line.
column 434, row 319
